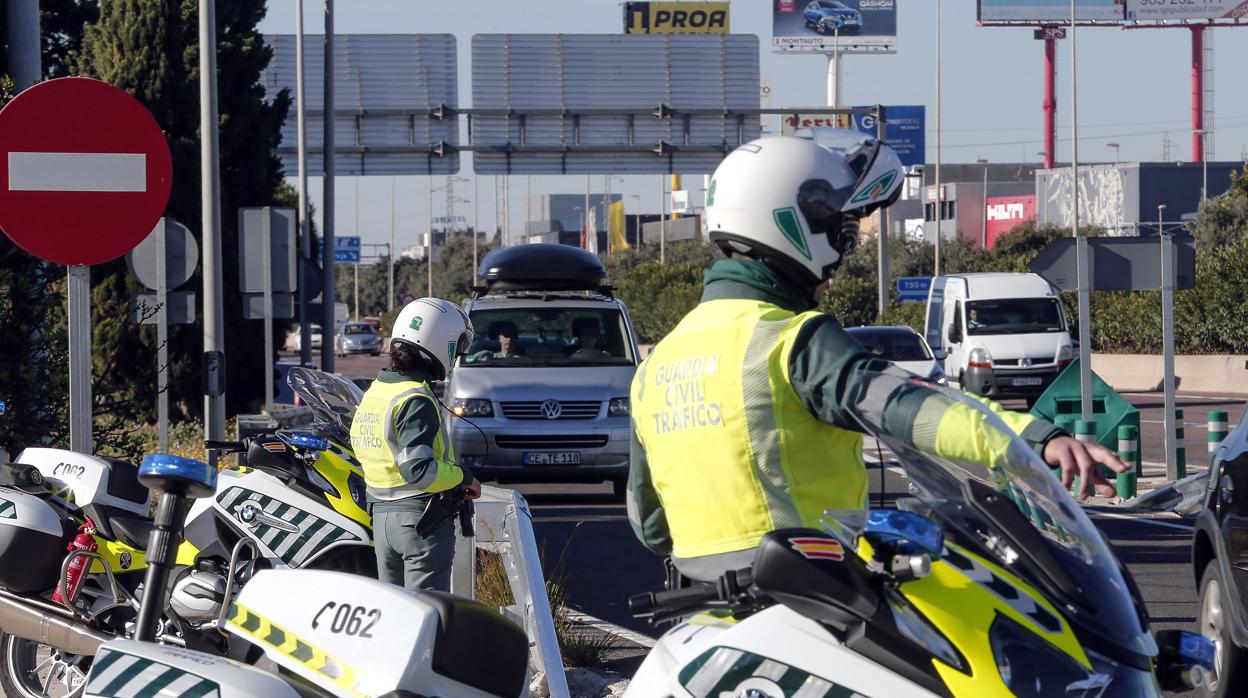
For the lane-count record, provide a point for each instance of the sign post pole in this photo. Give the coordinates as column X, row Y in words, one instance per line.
column 883, row 232
column 80, row 358
column 162, row 338
column 1167, row 347
column 266, row 257
column 210, row 203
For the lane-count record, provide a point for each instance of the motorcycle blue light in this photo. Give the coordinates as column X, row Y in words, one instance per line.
column 309, row 442
column 905, row 525
column 162, row 471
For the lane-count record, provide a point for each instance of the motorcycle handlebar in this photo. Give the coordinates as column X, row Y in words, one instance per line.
column 730, row 589
column 225, row 446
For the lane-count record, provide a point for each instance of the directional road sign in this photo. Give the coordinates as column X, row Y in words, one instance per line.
column 1116, row 263
column 347, row 249
column 85, row 171
column 913, row 288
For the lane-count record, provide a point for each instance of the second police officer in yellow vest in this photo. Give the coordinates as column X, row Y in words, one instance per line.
column 399, row 438
column 739, row 414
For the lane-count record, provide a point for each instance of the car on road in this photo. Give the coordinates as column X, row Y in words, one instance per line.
column 1220, row 565
column 904, row 347
column 542, row 392
column 357, row 338
column 828, row 16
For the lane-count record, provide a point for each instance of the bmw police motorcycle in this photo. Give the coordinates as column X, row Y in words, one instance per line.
column 297, row 500
column 325, row 633
column 984, row 582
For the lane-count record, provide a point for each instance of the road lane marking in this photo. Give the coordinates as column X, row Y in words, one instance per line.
column 112, row 172
column 1154, row 522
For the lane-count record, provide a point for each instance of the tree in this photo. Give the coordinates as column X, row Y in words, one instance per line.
column 1223, row 220
column 150, row 49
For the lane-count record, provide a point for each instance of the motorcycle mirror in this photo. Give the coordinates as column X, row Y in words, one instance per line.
column 892, row 527
column 815, row 575
column 310, row 442
column 1184, row 659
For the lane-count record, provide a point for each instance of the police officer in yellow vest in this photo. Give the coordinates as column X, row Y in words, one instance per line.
column 397, row 436
column 740, row 421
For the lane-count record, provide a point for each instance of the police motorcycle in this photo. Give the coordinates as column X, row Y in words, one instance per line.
column 983, row 582
column 327, row 633
column 297, row 501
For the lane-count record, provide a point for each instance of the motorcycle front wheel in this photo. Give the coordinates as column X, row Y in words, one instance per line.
column 29, row 669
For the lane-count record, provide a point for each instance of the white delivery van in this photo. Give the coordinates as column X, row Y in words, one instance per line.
column 1004, row 335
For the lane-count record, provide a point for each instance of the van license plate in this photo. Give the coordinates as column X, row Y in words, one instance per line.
column 553, row 458
column 1027, row 381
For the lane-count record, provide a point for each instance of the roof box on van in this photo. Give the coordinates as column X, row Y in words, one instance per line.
column 542, row 267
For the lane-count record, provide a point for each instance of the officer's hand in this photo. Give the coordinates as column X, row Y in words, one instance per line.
column 1077, row 458
column 473, row 489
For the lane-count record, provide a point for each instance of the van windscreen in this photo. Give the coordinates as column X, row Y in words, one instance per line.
column 1013, row 316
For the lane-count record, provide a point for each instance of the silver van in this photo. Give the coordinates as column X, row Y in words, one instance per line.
column 542, row 393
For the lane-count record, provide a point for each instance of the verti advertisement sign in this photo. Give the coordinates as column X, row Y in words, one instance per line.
column 675, row 18
column 1050, row 10
column 1004, row 213
column 1148, row 10
column 834, row 26
column 904, row 128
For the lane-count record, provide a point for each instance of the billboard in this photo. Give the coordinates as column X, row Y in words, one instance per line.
column 1050, row 10
column 1149, row 10
column 1003, row 213
column 903, row 128
column 675, row 18
column 834, row 26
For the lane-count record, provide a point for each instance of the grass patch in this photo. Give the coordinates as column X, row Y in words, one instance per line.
column 579, row 645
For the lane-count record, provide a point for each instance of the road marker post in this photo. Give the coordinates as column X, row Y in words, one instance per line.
column 1129, row 453
column 1218, row 422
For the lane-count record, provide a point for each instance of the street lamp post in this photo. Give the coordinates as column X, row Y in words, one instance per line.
column 1160, row 209
column 1115, row 146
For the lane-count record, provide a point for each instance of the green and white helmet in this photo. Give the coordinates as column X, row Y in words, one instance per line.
column 795, row 201
column 438, row 329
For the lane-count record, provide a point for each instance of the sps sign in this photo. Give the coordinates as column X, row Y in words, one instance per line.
column 675, row 18
column 1006, row 212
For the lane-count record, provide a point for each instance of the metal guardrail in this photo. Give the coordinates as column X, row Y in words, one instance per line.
column 504, row 526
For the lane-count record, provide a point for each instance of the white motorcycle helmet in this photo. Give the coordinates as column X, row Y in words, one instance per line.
column 438, row 329
column 795, row 201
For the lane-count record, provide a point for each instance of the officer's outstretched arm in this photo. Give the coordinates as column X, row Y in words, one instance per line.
column 645, row 511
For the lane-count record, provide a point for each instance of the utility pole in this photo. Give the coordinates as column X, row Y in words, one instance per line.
column 328, row 291
column 939, row 191
column 305, row 227
column 210, row 205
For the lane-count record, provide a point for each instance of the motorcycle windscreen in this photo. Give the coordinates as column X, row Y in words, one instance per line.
column 333, row 399
column 1035, row 528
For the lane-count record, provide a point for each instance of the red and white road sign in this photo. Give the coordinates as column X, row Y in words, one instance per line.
column 85, row 171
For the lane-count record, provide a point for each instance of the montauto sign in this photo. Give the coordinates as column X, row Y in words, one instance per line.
column 676, row 18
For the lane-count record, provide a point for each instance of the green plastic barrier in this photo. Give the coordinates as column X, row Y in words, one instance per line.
column 1061, row 405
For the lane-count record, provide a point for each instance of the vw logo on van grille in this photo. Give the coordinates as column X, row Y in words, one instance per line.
column 1026, row 363
column 551, row 409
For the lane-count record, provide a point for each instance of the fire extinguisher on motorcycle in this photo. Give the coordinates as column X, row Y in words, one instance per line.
column 77, row 570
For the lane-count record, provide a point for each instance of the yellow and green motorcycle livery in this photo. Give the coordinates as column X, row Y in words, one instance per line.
column 986, row 581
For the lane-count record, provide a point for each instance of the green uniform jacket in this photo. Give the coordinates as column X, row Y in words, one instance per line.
column 824, row 368
column 416, row 424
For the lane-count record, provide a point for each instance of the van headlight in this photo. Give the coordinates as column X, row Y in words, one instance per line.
column 618, row 407
column 472, row 407
column 979, row 358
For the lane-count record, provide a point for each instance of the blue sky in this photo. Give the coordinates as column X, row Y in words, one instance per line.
column 1134, row 89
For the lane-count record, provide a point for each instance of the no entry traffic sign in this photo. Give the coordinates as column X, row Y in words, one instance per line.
column 85, row 171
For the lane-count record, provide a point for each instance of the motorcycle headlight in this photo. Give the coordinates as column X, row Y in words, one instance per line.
column 618, row 407
column 472, row 407
column 1030, row 666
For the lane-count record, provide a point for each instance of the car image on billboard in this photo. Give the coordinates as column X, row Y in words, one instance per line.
column 1050, row 10
column 824, row 26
